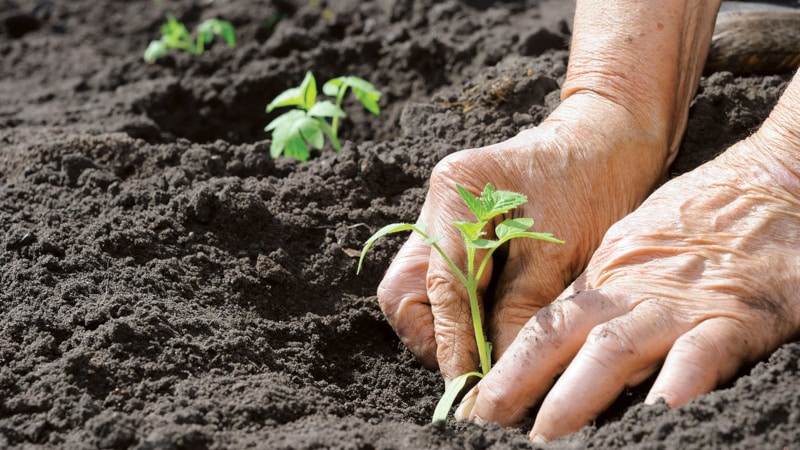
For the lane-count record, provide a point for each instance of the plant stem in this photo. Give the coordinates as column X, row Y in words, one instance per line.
column 331, row 134
column 339, row 98
column 472, row 288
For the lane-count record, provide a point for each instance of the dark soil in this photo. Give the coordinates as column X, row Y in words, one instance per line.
column 166, row 284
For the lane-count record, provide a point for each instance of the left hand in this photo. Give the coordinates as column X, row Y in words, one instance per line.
column 702, row 278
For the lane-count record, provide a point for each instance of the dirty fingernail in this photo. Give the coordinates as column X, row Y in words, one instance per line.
column 465, row 407
column 539, row 439
column 478, row 421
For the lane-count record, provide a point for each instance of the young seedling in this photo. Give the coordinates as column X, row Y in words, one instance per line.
column 174, row 35
column 490, row 204
column 307, row 125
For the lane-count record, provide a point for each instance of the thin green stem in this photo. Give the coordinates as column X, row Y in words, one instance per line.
column 339, row 98
column 477, row 324
column 331, row 134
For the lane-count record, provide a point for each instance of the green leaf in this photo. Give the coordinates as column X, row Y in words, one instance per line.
column 290, row 97
column 532, row 235
column 155, row 50
column 450, row 395
column 174, row 31
column 483, row 243
column 331, row 87
column 363, row 90
column 290, row 130
column 363, row 86
column 369, row 104
column 314, row 136
column 469, row 230
column 433, row 240
column 309, row 89
column 473, row 203
column 510, row 226
column 215, row 27
column 285, row 119
column 296, row 148
column 390, row 229
column 326, row 109
column 499, row 202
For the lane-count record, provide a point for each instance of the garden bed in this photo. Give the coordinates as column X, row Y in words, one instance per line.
column 166, row 284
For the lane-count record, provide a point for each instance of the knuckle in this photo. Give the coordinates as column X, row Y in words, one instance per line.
column 609, row 343
column 546, row 326
column 460, row 167
column 443, row 290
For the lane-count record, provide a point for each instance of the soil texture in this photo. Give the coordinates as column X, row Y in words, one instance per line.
column 166, row 284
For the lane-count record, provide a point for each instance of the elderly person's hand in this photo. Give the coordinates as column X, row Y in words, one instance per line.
column 634, row 65
column 702, row 278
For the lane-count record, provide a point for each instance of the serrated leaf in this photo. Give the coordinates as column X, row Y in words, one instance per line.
column 473, row 203
column 326, row 109
column 470, row 231
column 499, row 202
column 450, row 394
column 510, row 226
column 389, row 229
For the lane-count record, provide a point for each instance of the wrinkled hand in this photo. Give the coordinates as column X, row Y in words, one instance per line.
column 576, row 190
column 702, row 278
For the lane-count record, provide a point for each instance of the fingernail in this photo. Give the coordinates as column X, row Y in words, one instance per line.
column 478, row 421
column 539, row 439
column 465, row 407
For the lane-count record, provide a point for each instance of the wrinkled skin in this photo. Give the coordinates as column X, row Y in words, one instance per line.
column 699, row 280
column 433, row 317
column 609, row 143
column 702, row 278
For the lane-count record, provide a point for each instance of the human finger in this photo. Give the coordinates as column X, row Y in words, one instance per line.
column 403, row 298
column 541, row 351
column 707, row 355
column 618, row 353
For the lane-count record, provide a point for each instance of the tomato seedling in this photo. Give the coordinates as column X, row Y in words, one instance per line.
column 490, row 204
column 307, row 125
column 175, row 35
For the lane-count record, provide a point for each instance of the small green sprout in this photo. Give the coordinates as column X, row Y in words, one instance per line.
column 174, row 35
column 489, row 205
column 295, row 130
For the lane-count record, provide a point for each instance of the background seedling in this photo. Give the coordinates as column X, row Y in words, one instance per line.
column 489, row 205
column 295, row 130
column 175, row 35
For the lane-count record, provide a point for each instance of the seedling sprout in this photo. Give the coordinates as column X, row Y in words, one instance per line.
column 307, row 125
column 490, row 204
column 175, row 35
